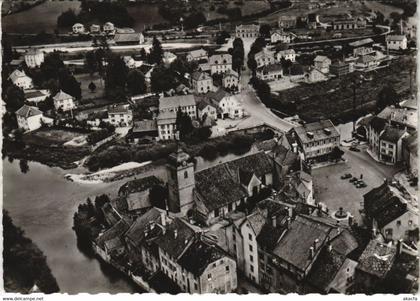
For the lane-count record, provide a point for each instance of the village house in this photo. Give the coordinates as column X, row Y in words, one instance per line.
column 362, row 51
column 34, row 58
column 287, row 21
column 287, row 54
column 230, row 80
column 143, row 131
column 317, row 139
column 403, row 117
column 388, row 211
column 147, row 70
column 396, row 42
column 366, row 62
column 168, row 57
column 166, row 124
column 315, row 75
column 220, row 63
column 187, row 103
column 247, row 31
column 270, row 72
column 265, row 57
column 229, row 105
column 281, row 36
column 20, row 79
column 340, row 68
column 109, row 28
column 197, row 55
column 120, row 115
column 128, row 39
column 30, row 118
column 206, row 107
column 64, row 101
column 201, row 82
column 349, row 24
column 322, row 63
column 36, row 96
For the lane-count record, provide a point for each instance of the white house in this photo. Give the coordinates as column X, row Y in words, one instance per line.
column 281, row 36
column 78, row 28
column 166, row 123
column 187, row 103
column 94, row 28
column 247, row 31
column 168, row 57
column 120, row 115
column 230, row 79
column 34, row 58
column 396, row 42
column 64, row 101
column 270, row 72
column 229, row 105
column 30, row 118
column 197, row 55
column 265, row 57
column 322, row 63
column 220, row 63
column 287, row 54
column 20, row 79
column 109, row 28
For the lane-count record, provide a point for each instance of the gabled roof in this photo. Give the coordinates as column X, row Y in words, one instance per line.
column 120, row 109
column 139, row 185
column 167, row 117
column 384, row 204
column 218, row 95
column 28, row 111
column 264, row 53
column 286, row 52
column 136, row 233
column 199, row 256
column 62, row 96
column 144, row 126
column 173, row 102
column 321, row 58
column 175, row 245
column 377, row 259
column 272, row 68
column 319, row 130
column 231, row 72
column 204, row 102
column 399, row 38
column 222, row 58
column 198, row 53
column 197, row 75
column 116, row 231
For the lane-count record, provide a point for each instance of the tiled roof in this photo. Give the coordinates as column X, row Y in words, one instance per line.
column 144, row 126
column 318, row 131
column 231, row 73
column 62, row 96
column 115, row 231
column 392, row 134
column 198, row 53
column 361, row 42
column 377, row 259
column 395, row 38
column 33, row 94
column 120, row 109
column 172, row 102
column 384, row 205
column 17, row 74
column 136, row 232
column 400, row 115
column 295, row 245
column 204, row 102
column 28, row 111
column 199, row 256
column 218, row 95
column 168, row 117
column 138, row 185
column 321, row 58
column 200, row 75
column 264, row 53
column 175, row 245
column 270, row 68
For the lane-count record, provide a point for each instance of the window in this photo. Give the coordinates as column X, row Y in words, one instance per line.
column 216, row 212
column 251, row 258
column 185, row 174
column 234, row 236
column 398, row 223
column 250, row 248
column 209, row 277
column 251, row 267
column 250, row 236
column 195, row 286
column 227, row 269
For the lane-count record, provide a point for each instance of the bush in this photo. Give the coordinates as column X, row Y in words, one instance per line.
column 97, row 136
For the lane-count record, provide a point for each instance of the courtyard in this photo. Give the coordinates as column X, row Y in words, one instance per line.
column 335, row 192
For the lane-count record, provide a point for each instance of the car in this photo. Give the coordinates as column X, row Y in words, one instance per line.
column 353, row 179
column 361, row 185
column 346, row 176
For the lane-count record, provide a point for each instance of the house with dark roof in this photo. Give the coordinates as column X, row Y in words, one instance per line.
column 31, row 118
column 207, row 107
column 187, row 104
column 201, row 82
column 270, row 72
column 317, row 139
column 143, row 130
column 387, row 211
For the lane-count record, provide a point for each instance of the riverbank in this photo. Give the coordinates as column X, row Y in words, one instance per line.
column 111, row 174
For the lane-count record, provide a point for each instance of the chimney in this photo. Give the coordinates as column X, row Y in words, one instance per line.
column 399, row 246
column 175, row 233
column 294, row 147
column 163, row 218
column 311, row 252
column 316, row 243
column 274, row 221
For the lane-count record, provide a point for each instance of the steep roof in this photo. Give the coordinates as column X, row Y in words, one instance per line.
column 218, row 95
column 172, row 102
column 321, row 58
column 197, row 75
column 138, row 185
column 167, row 117
column 136, row 232
column 116, row 231
column 62, row 96
column 204, row 102
column 377, row 259
column 199, row 256
column 384, row 204
column 28, row 111
column 175, row 245
column 222, row 58
column 400, row 115
column 392, row 134
column 120, row 109
column 230, row 72
column 264, row 53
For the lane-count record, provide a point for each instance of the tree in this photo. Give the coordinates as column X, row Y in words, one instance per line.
column 162, row 79
column 183, row 124
column 221, row 37
column 252, row 64
column 116, row 74
column 265, row 31
column 67, row 18
column 194, row 20
column 91, row 62
column 92, row 87
column 336, row 153
column 136, row 83
column 156, row 52
column 14, row 98
column 158, row 195
column 181, row 66
column 238, row 54
column 143, row 54
column 69, row 84
column 7, row 49
column 51, row 66
column 386, row 97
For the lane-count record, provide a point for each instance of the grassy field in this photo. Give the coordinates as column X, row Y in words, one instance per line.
column 85, row 80
column 51, row 137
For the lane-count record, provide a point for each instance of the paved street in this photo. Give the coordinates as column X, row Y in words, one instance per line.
column 335, row 192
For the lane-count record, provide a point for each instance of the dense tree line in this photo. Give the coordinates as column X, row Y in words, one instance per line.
column 24, row 265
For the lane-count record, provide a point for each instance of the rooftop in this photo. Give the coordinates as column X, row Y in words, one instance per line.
column 144, row 126
column 316, row 131
column 377, row 259
column 172, row 102
column 28, row 111
column 62, row 96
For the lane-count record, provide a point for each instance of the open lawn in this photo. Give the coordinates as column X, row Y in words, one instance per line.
column 334, row 192
column 51, row 137
column 85, row 79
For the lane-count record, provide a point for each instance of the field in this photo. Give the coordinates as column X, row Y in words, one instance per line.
column 85, row 79
column 42, row 17
column 51, row 137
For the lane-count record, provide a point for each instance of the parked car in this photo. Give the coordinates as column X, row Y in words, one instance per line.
column 346, row 176
column 361, row 185
column 353, row 179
